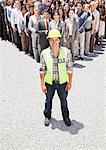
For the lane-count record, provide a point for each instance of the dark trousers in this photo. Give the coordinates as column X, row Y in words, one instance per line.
column 17, row 39
column 62, row 93
column 24, row 42
column 96, row 42
column 70, row 45
column 92, row 42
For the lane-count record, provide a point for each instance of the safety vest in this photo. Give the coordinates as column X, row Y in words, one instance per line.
column 63, row 75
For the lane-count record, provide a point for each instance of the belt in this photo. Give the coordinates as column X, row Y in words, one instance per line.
column 54, row 81
column 86, row 30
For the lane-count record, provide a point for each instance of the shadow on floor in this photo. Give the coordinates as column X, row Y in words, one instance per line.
column 93, row 55
column 87, row 59
column 73, row 129
column 76, row 65
column 97, row 52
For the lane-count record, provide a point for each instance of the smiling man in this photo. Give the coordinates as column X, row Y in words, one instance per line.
column 56, row 74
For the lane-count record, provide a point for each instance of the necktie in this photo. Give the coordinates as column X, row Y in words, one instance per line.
column 47, row 25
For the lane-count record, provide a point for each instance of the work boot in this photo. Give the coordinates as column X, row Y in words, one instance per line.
column 47, row 121
column 67, row 121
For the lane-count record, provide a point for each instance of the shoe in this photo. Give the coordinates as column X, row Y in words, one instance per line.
column 47, row 121
column 86, row 54
column 81, row 58
column 67, row 122
column 26, row 52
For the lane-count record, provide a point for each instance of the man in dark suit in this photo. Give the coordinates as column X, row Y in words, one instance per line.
column 43, row 28
column 3, row 31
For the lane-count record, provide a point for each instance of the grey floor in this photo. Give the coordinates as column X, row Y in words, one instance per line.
column 22, row 104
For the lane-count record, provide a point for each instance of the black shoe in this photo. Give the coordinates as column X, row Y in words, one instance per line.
column 86, row 54
column 81, row 58
column 67, row 122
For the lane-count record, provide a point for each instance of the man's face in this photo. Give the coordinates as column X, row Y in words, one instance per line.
column 18, row 4
column 31, row 10
column 24, row 11
column 71, row 3
column 46, row 15
column 54, row 42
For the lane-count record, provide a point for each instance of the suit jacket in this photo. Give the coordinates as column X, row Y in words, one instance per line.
column 43, row 41
column 57, row 25
column 74, row 30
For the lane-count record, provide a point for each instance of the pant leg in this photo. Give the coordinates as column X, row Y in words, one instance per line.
column 62, row 93
column 76, row 47
column 96, row 42
column 30, row 45
column 34, row 46
column 92, row 41
column 23, row 40
column 15, row 37
column 48, row 103
column 87, row 41
column 19, row 44
column 73, row 49
column 82, row 43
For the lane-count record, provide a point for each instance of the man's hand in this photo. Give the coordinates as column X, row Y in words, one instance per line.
column 44, row 88
column 14, row 29
column 68, row 86
column 46, row 32
column 20, row 34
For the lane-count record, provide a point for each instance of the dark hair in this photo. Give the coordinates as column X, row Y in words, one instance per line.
column 23, row 7
column 46, row 10
column 72, row 10
column 31, row 5
column 55, row 12
column 57, row 1
column 80, row 4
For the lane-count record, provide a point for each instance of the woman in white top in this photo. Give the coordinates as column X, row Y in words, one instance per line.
column 71, row 31
column 33, row 27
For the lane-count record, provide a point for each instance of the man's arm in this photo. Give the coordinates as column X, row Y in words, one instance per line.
column 42, row 79
column 69, row 84
column 69, row 70
column 42, row 73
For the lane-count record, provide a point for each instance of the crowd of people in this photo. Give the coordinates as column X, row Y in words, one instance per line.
column 26, row 23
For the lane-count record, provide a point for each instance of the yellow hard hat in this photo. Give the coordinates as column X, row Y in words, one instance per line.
column 54, row 33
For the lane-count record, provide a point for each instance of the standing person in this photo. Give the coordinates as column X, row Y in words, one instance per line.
column 43, row 29
column 101, row 33
column 56, row 23
column 3, row 29
column 96, row 15
column 1, row 20
column 82, row 16
column 28, row 32
column 66, row 9
column 22, row 29
column 56, row 74
column 33, row 27
column 88, row 28
column 71, row 31
column 14, row 17
column 9, row 10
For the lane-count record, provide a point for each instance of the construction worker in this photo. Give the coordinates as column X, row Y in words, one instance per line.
column 56, row 74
